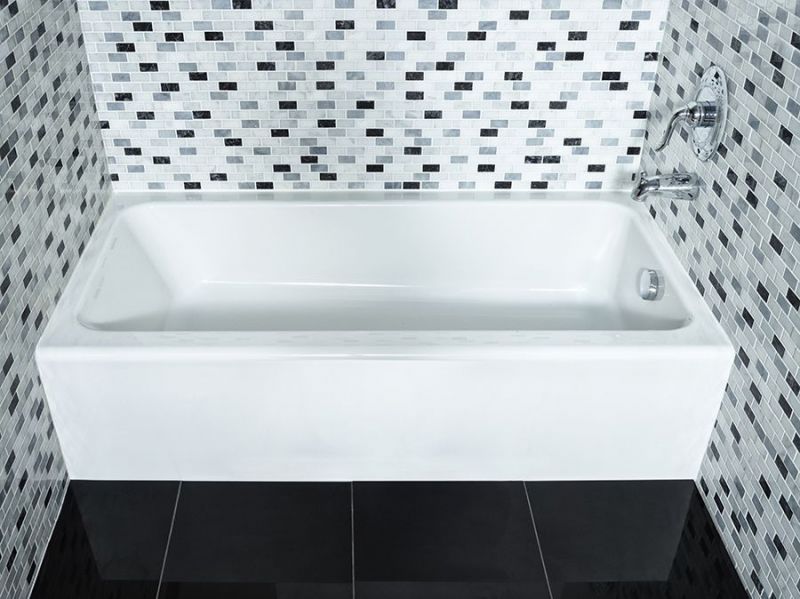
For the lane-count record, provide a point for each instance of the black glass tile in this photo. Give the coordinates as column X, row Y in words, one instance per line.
column 109, row 541
column 242, row 540
column 644, row 539
column 443, row 540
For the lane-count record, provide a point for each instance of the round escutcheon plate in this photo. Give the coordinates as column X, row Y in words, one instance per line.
column 713, row 88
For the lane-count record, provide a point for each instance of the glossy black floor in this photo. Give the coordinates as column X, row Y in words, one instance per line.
column 132, row 540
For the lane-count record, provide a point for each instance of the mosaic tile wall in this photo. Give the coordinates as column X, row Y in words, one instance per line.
column 741, row 244
column 377, row 94
column 53, row 182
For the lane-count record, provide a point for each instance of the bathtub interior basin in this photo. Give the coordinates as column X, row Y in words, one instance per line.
column 395, row 266
column 381, row 336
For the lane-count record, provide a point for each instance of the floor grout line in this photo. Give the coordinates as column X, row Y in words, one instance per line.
column 169, row 539
column 352, row 543
column 538, row 542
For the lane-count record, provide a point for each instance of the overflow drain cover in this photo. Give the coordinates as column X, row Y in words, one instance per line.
column 651, row 284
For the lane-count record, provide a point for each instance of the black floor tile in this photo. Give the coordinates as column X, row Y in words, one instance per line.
column 647, row 539
column 255, row 590
column 601, row 540
column 109, row 541
column 442, row 540
column 243, row 540
column 450, row 590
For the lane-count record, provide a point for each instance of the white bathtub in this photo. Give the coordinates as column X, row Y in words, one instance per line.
column 375, row 336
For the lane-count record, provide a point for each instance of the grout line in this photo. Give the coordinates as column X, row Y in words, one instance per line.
column 169, row 539
column 538, row 542
column 352, row 543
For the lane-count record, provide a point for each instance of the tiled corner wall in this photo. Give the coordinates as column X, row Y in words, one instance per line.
column 741, row 244
column 376, row 94
column 53, row 183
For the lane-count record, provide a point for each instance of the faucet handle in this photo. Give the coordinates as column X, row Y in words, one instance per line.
column 694, row 114
column 705, row 116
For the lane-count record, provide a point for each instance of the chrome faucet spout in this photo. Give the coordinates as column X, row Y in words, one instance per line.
column 677, row 186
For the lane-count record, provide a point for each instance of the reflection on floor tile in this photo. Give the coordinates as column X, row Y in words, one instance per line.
column 630, row 540
column 260, row 539
column 109, row 541
column 432, row 540
column 254, row 590
column 412, row 539
column 451, row 590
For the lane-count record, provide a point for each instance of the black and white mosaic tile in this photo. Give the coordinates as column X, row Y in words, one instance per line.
column 53, row 182
column 373, row 94
column 740, row 242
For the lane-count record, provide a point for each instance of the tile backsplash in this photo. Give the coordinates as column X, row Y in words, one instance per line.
column 740, row 243
column 373, row 94
column 53, row 183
